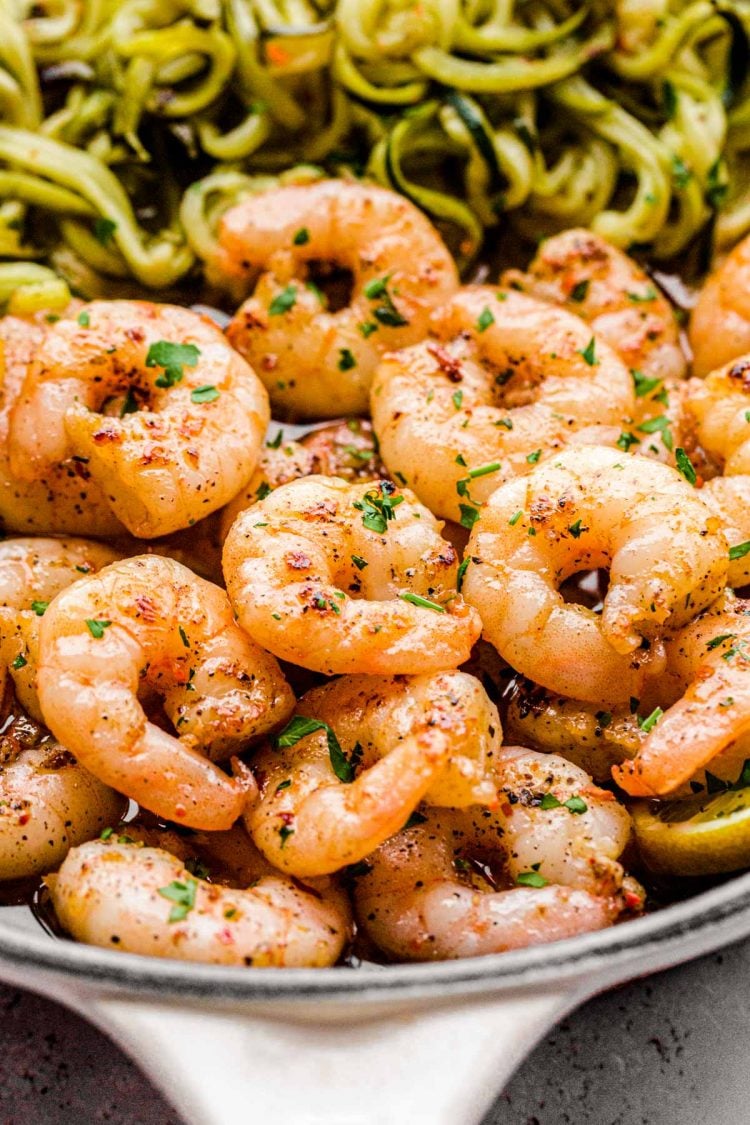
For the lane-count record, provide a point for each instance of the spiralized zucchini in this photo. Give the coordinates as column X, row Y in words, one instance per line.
column 126, row 126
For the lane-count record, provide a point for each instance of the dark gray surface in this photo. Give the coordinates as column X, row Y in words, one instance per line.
column 668, row 1050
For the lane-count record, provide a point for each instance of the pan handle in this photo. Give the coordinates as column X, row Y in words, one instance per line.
column 441, row 1065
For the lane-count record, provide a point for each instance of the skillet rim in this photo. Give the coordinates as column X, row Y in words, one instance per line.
column 712, row 918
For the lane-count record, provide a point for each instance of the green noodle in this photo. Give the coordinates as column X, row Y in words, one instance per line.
column 128, row 126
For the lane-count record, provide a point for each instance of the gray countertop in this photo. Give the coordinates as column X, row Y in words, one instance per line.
column 671, row 1049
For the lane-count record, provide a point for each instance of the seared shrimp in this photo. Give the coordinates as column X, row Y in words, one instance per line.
column 65, row 501
column 585, row 274
column 346, row 449
column 166, row 418
column 32, row 572
column 150, row 622
column 358, row 757
column 584, row 734
column 506, row 382
column 48, row 802
column 143, row 900
column 720, row 323
column 314, row 362
column 709, row 676
column 340, row 577
column 588, row 508
column 444, row 887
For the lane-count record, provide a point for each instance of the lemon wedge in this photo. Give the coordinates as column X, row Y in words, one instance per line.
column 703, row 835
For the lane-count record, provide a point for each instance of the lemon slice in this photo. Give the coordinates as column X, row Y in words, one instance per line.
column 703, row 835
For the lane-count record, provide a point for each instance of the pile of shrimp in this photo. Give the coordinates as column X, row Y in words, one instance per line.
column 276, row 701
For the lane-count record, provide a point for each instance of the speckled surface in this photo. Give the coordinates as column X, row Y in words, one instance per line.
column 671, row 1050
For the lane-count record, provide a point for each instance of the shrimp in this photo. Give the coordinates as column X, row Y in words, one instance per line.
column 316, row 362
column 346, row 449
column 143, row 900
column 583, row 734
column 322, row 807
column 588, row 508
column 582, row 272
column 65, row 501
column 720, row 323
column 471, row 882
column 720, row 407
column 166, row 418
column 506, row 381
column 48, row 802
column 150, row 622
column 708, row 665
column 32, row 572
column 339, row 577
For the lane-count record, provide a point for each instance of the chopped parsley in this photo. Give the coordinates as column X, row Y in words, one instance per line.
column 643, row 298
column 580, row 290
column 378, row 510
column 346, row 360
column 96, row 628
column 129, row 404
column 461, row 572
column 685, row 466
column 84, row 319
column 589, row 353
column 625, row 440
column 418, row 600
column 301, row 237
column 386, row 312
column 173, row 358
column 643, row 385
column 206, row 393
column 658, row 425
column 183, row 897
column 515, row 517
column 458, row 398
column 469, row 515
column 104, row 230
column 283, row 301
column 532, row 458
column 531, row 878
column 367, row 327
column 300, row 727
column 485, row 319
column 739, row 550
column 359, row 562
column 576, row 529
column 39, row 608
column 19, row 662
column 651, row 720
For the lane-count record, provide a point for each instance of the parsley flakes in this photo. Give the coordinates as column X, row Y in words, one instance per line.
column 173, row 358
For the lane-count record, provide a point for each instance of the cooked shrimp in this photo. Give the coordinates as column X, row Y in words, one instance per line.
column 346, row 449
column 588, row 508
column 506, row 381
column 316, row 362
column 32, row 572
column 440, row 889
column 720, row 323
column 48, row 803
column 720, row 406
column 709, row 670
column 166, row 418
column 150, row 622
column 729, row 499
column 582, row 272
column 359, row 756
column 65, row 501
column 584, row 734
column 340, row 577
column 143, row 900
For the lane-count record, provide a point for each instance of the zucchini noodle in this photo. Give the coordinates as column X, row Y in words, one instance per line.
column 128, row 126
